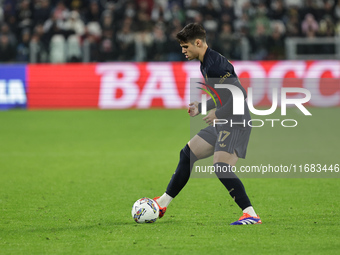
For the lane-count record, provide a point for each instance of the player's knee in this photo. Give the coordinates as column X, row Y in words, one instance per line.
column 225, row 157
column 186, row 154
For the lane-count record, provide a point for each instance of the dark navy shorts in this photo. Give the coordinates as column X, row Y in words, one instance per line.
column 227, row 139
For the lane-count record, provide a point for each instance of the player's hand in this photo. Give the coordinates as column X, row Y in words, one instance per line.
column 209, row 119
column 193, row 109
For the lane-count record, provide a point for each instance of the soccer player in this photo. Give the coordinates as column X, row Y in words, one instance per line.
column 226, row 143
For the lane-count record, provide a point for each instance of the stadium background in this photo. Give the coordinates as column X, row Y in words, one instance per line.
column 71, row 170
column 50, row 31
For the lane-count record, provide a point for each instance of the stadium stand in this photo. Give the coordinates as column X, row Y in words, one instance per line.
column 143, row 30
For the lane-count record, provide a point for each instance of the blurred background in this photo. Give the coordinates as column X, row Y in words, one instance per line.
column 63, row 31
column 71, row 168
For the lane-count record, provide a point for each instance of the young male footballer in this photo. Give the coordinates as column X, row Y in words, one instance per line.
column 227, row 143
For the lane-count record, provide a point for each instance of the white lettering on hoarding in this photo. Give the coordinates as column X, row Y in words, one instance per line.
column 114, row 78
column 160, row 84
column 312, row 83
column 257, row 75
column 192, row 70
column 277, row 74
column 120, row 88
column 12, row 92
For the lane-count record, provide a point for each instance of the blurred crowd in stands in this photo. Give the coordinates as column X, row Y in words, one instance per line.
column 58, row 31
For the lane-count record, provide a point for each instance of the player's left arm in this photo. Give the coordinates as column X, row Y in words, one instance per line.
column 228, row 76
column 209, row 119
column 226, row 110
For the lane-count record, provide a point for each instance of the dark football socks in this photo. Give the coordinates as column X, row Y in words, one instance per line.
column 233, row 184
column 182, row 173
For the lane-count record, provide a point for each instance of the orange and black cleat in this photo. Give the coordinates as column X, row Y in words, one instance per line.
column 162, row 210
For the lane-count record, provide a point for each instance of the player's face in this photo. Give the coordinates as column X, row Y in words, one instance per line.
column 189, row 50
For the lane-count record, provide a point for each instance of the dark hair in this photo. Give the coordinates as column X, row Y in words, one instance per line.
column 191, row 32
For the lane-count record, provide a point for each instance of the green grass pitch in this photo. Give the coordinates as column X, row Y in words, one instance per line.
column 68, row 180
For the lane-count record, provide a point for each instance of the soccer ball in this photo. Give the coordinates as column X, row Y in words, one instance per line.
column 145, row 210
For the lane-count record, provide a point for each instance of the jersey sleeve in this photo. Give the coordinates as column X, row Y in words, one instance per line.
column 224, row 72
column 210, row 105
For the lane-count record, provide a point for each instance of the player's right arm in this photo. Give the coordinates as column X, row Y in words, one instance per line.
column 193, row 109
column 210, row 105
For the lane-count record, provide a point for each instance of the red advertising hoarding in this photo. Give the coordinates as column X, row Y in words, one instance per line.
column 166, row 84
